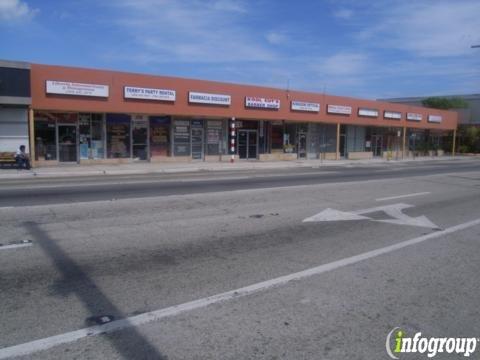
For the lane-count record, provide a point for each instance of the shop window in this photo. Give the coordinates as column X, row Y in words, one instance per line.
column 159, row 136
column 214, row 137
column 277, row 136
column 355, row 138
column 45, row 139
column 181, row 138
column 92, row 139
column 290, row 138
column 118, row 136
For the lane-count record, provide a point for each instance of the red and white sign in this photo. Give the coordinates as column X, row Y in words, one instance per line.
column 339, row 109
column 262, row 103
column 414, row 117
column 76, row 89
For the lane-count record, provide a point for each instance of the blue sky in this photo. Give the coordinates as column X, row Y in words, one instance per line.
column 369, row 49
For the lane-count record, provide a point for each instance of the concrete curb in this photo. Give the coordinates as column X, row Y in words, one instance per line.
column 143, row 169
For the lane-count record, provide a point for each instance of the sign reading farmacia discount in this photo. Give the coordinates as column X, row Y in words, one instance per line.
column 131, row 92
column 305, row 106
column 78, row 89
column 213, row 99
column 262, row 103
column 339, row 109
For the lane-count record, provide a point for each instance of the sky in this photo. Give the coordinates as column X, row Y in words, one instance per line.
column 368, row 49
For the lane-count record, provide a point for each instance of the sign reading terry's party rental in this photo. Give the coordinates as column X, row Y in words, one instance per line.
column 131, row 92
column 212, row 99
column 262, row 103
column 339, row 109
column 77, row 89
column 305, row 106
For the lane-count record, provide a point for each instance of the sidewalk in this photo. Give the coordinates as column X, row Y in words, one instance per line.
column 159, row 168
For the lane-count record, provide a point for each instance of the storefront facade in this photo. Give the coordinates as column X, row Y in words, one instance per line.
column 94, row 116
column 14, row 105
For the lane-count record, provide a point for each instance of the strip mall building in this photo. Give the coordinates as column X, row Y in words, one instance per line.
column 95, row 116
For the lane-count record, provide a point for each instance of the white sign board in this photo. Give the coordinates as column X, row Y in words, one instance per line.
column 392, row 115
column 131, row 92
column 262, row 103
column 212, row 99
column 77, row 89
column 339, row 109
column 367, row 112
column 434, row 118
column 414, row 117
column 305, row 106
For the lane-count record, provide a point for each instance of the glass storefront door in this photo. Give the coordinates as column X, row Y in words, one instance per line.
column 140, row 138
column 302, row 145
column 67, row 143
column 247, row 144
column 197, row 139
column 377, row 145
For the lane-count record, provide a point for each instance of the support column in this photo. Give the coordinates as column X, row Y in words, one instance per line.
column 454, row 140
column 337, row 156
column 404, row 141
column 31, row 136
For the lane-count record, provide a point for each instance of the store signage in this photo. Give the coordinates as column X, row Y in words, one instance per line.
column 305, row 106
column 392, row 115
column 262, row 103
column 414, row 117
column 434, row 118
column 339, row 109
column 367, row 112
column 77, row 89
column 213, row 99
column 131, row 92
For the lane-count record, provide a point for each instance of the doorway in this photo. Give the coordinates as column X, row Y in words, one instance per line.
column 140, row 138
column 377, row 145
column 247, row 144
column 302, row 145
column 197, row 139
column 67, row 143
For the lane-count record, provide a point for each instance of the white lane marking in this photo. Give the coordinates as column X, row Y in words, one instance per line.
column 393, row 210
column 14, row 246
column 403, row 196
column 49, row 342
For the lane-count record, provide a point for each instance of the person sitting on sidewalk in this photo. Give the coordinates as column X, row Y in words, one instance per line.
column 22, row 158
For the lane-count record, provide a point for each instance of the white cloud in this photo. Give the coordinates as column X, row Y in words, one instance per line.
column 343, row 13
column 13, row 10
column 344, row 64
column 191, row 31
column 426, row 28
column 276, row 38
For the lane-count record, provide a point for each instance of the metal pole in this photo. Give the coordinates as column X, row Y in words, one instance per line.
column 31, row 128
column 454, row 138
column 337, row 156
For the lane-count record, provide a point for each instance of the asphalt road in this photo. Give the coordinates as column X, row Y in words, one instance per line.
column 199, row 266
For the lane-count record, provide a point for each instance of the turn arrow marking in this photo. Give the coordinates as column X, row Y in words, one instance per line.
column 393, row 210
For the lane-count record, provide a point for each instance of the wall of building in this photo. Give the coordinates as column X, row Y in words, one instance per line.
column 14, row 102
column 115, row 102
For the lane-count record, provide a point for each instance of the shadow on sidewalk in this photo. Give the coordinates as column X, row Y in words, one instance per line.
column 130, row 343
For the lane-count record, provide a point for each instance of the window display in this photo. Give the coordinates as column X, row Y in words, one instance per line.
column 118, row 136
column 160, row 136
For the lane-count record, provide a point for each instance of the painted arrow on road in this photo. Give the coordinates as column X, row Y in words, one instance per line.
column 394, row 211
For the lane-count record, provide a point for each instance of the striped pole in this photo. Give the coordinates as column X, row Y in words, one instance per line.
column 232, row 139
